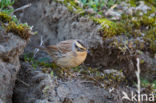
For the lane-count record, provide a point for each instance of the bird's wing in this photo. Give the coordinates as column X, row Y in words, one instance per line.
column 60, row 49
column 52, row 50
column 65, row 46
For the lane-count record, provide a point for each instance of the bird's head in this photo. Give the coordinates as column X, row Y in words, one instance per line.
column 79, row 46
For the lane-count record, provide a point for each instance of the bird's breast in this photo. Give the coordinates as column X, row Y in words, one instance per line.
column 71, row 59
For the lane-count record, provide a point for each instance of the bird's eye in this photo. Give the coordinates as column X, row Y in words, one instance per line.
column 81, row 43
column 79, row 48
column 76, row 47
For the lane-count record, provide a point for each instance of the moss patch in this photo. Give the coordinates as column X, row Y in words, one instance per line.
column 5, row 17
column 21, row 30
column 9, row 23
column 102, row 78
column 71, row 5
column 139, row 24
column 109, row 28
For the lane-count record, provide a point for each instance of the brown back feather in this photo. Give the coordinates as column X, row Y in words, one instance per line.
column 63, row 47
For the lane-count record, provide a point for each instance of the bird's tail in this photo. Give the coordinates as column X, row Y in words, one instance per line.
column 52, row 50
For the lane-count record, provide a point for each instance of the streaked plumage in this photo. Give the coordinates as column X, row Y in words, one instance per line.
column 67, row 54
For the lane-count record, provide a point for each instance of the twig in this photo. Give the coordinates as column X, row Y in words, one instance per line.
column 138, row 78
column 23, row 82
column 22, row 8
column 114, row 6
column 36, row 49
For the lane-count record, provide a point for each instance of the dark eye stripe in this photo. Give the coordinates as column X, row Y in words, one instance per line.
column 79, row 49
column 76, row 46
column 81, row 43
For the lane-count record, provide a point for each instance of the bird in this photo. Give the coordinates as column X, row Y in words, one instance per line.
column 68, row 53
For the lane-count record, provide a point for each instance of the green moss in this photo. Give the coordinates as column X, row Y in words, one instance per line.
column 135, row 25
column 146, row 84
column 71, row 5
column 132, row 3
column 151, row 34
column 148, row 21
column 151, row 38
column 43, row 62
column 153, row 46
column 5, row 17
column 109, row 28
column 152, row 2
column 100, row 77
column 130, row 25
column 21, row 30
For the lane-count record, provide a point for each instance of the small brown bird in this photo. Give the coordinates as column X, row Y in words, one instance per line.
column 67, row 54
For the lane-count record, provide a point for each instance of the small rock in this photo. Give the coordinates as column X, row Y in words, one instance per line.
column 90, row 10
column 143, row 7
column 10, row 48
column 112, row 13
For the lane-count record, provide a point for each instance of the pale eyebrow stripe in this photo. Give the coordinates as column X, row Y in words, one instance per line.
column 82, row 45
